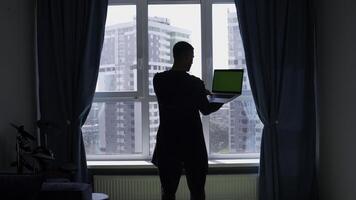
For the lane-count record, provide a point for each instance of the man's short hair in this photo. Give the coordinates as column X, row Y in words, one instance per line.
column 181, row 49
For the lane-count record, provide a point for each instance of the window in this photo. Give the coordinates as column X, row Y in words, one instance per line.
column 231, row 130
column 112, row 125
column 139, row 37
column 118, row 71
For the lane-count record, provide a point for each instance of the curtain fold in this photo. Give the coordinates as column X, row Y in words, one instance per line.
column 70, row 36
column 279, row 49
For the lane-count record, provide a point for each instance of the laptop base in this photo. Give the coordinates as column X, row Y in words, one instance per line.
column 214, row 99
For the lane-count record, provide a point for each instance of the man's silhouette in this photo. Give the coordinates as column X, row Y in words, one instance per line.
column 180, row 140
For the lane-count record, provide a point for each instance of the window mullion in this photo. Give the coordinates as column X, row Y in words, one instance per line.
column 206, row 35
column 142, row 53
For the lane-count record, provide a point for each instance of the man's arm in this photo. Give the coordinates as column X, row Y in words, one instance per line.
column 212, row 107
column 205, row 106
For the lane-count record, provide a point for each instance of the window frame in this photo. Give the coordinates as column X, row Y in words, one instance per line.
column 142, row 93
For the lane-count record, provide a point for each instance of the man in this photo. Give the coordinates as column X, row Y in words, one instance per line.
column 180, row 140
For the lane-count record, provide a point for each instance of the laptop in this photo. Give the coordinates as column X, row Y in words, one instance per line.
column 227, row 85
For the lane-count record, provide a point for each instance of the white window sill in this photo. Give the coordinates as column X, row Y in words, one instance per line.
column 216, row 163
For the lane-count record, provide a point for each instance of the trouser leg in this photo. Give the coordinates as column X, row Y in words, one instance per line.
column 196, row 177
column 169, row 176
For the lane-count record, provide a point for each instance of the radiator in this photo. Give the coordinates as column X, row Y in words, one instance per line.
column 217, row 187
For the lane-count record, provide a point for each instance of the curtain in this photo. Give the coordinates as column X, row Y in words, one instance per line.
column 70, row 35
column 279, row 49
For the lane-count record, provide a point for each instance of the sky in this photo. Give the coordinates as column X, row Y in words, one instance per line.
column 186, row 17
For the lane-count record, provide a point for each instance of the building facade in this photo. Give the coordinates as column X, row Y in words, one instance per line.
column 245, row 126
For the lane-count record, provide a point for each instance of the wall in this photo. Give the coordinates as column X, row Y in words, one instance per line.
column 17, row 82
column 336, row 27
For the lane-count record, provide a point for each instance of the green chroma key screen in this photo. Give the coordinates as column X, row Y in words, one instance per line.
column 229, row 81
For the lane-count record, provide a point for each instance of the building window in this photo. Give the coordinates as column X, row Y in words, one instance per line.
column 124, row 117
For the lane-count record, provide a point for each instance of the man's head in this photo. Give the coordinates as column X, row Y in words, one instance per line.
column 183, row 54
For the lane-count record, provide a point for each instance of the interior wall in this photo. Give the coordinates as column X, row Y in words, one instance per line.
column 336, row 46
column 17, row 82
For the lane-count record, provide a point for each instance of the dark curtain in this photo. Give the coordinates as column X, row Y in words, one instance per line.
column 70, row 35
column 279, row 49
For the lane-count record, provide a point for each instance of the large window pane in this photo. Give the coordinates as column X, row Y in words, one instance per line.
column 118, row 71
column 236, row 127
column 113, row 128
column 168, row 24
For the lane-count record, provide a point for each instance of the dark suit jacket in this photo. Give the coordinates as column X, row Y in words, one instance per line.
column 180, row 135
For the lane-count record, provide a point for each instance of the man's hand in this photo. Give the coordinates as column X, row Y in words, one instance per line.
column 207, row 92
column 217, row 105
